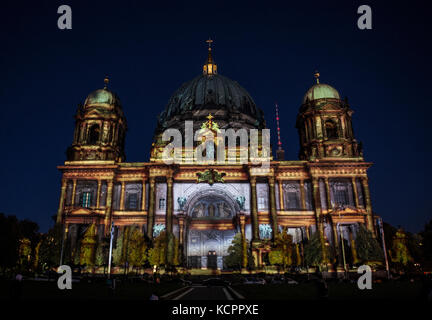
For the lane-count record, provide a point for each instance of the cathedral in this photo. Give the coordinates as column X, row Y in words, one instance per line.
column 204, row 204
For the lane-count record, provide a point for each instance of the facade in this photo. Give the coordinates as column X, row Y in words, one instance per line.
column 204, row 204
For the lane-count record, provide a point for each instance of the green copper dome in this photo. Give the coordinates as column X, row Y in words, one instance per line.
column 102, row 96
column 321, row 91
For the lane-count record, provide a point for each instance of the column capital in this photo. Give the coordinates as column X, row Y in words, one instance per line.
column 170, row 181
column 271, row 180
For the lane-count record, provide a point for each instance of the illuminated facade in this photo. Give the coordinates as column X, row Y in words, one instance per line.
column 205, row 205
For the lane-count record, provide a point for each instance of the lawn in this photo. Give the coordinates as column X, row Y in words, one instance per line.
column 81, row 290
column 337, row 291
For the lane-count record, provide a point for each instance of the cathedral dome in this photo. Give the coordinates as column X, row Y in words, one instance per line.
column 229, row 102
column 211, row 92
column 321, row 91
column 102, row 96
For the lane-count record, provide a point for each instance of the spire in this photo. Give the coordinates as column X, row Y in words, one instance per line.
column 317, row 75
column 106, row 81
column 279, row 152
column 210, row 67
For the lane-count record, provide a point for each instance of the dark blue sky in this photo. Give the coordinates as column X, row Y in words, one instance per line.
column 271, row 49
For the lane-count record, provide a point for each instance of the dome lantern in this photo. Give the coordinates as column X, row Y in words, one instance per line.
column 209, row 67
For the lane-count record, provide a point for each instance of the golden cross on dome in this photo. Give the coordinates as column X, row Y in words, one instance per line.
column 317, row 75
column 210, row 117
column 209, row 41
column 106, row 81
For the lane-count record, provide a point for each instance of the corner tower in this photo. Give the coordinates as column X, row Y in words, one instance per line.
column 100, row 128
column 324, row 125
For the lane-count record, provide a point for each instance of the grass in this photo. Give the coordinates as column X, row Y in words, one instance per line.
column 81, row 290
column 337, row 291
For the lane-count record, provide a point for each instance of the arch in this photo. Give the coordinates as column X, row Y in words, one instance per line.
column 94, row 134
column 214, row 193
column 331, row 129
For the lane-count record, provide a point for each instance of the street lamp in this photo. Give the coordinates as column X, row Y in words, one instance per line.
column 110, row 249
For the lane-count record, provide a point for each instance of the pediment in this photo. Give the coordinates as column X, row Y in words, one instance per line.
column 81, row 211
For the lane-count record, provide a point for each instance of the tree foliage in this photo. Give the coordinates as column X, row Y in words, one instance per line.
column 88, row 246
column 157, row 254
column 282, row 250
column 13, row 247
column 399, row 252
column 426, row 242
column 234, row 258
column 313, row 251
column 368, row 248
column 50, row 247
column 136, row 248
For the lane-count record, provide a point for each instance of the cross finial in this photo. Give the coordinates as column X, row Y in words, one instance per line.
column 209, row 41
column 317, row 75
column 210, row 117
column 106, row 81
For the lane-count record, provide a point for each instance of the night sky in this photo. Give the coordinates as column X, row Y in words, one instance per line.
column 149, row 49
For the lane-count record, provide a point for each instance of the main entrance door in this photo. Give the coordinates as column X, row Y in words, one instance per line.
column 212, row 260
column 210, row 211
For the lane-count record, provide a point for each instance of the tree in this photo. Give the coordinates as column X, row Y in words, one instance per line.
column 137, row 248
column 12, row 243
column 426, row 242
column 24, row 254
column 49, row 250
column 368, row 248
column 313, row 251
column 157, row 254
column 399, row 252
column 281, row 252
column 117, row 251
column 177, row 252
column 234, row 258
column 102, row 252
column 88, row 244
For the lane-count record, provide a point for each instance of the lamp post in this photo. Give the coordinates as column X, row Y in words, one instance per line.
column 381, row 226
column 110, row 249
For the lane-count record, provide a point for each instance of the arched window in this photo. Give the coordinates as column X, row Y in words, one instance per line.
column 94, row 134
column 331, row 130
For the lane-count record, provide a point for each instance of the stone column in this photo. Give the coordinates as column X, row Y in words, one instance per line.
column 169, row 207
column 181, row 227
column 318, row 216
column 369, row 214
column 61, row 201
column 328, row 197
column 281, row 203
column 242, row 220
column 336, row 246
column 151, row 210
column 74, row 182
column 122, row 196
column 302, row 195
column 108, row 207
column 354, row 186
column 352, row 244
column 98, row 193
column 273, row 213
column 143, row 195
column 254, row 209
